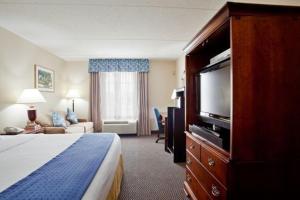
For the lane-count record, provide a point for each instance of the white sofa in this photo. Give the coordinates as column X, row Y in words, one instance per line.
column 83, row 126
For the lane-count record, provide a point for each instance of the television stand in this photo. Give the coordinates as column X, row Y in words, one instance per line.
column 216, row 138
column 263, row 160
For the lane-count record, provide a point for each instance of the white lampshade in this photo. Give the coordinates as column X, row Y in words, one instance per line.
column 73, row 93
column 31, row 96
column 173, row 94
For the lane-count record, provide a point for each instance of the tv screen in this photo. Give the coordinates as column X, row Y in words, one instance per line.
column 215, row 91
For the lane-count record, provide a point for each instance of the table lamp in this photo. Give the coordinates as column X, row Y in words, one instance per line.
column 174, row 95
column 73, row 94
column 31, row 96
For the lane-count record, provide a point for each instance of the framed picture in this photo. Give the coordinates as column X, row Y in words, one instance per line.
column 44, row 79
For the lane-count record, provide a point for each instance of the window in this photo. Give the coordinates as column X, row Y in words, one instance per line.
column 119, row 95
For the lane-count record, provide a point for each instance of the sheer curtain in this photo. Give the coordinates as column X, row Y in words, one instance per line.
column 119, row 95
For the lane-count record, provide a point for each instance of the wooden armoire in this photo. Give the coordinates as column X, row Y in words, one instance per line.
column 263, row 161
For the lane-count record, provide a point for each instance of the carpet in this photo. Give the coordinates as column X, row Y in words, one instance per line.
column 149, row 172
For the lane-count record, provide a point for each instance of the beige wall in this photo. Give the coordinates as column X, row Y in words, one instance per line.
column 162, row 81
column 180, row 71
column 17, row 59
column 77, row 77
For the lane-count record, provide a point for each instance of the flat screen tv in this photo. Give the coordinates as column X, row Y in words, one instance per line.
column 215, row 91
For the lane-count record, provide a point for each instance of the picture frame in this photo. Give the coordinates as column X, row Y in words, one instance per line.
column 44, row 79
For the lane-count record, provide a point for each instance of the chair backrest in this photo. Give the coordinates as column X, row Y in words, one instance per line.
column 158, row 119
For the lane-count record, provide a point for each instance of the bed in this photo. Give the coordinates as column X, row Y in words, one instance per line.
column 23, row 154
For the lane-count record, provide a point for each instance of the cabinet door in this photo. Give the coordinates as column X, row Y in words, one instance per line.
column 265, row 90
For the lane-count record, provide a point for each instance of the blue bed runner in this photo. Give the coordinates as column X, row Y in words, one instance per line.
column 68, row 175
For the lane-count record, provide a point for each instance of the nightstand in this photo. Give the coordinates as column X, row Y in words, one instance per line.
column 33, row 129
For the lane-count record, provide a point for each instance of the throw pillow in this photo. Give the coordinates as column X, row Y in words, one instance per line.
column 58, row 120
column 44, row 120
column 71, row 117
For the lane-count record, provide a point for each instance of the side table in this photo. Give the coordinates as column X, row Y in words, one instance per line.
column 33, row 131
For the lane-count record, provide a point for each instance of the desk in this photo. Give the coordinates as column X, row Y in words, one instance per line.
column 174, row 133
column 174, row 128
column 166, row 133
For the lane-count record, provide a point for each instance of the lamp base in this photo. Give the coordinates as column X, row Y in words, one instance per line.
column 31, row 112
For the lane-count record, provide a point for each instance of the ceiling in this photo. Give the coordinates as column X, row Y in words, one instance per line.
column 82, row 29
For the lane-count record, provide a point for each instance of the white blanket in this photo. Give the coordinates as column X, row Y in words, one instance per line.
column 22, row 154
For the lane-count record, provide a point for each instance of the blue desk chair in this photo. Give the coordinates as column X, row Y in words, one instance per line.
column 159, row 124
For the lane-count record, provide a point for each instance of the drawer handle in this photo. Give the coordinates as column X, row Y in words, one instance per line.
column 188, row 161
column 188, row 178
column 186, row 194
column 192, row 147
column 211, row 162
column 214, row 191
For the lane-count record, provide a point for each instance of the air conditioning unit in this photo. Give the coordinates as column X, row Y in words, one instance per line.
column 120, row 127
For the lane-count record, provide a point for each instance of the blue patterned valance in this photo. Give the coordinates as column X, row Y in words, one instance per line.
column 118, row 65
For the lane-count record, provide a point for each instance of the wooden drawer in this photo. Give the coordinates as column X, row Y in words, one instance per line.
column 193, row 146
column 193, row 186
column 215, row 163
column 210, row 184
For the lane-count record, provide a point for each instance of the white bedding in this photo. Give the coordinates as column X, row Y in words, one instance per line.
column 22, row 154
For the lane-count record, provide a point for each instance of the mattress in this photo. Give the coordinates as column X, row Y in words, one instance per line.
column 22, row 154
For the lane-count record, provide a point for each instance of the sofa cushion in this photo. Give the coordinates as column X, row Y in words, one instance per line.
column 71, row 117
column 81, row 127
column 89, row 127
column 83, row 124
column 75, row 129
column 67, row 123
column 45, row 120
column 58, row 120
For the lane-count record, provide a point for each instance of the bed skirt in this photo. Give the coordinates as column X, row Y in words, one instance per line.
column 116, row 185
